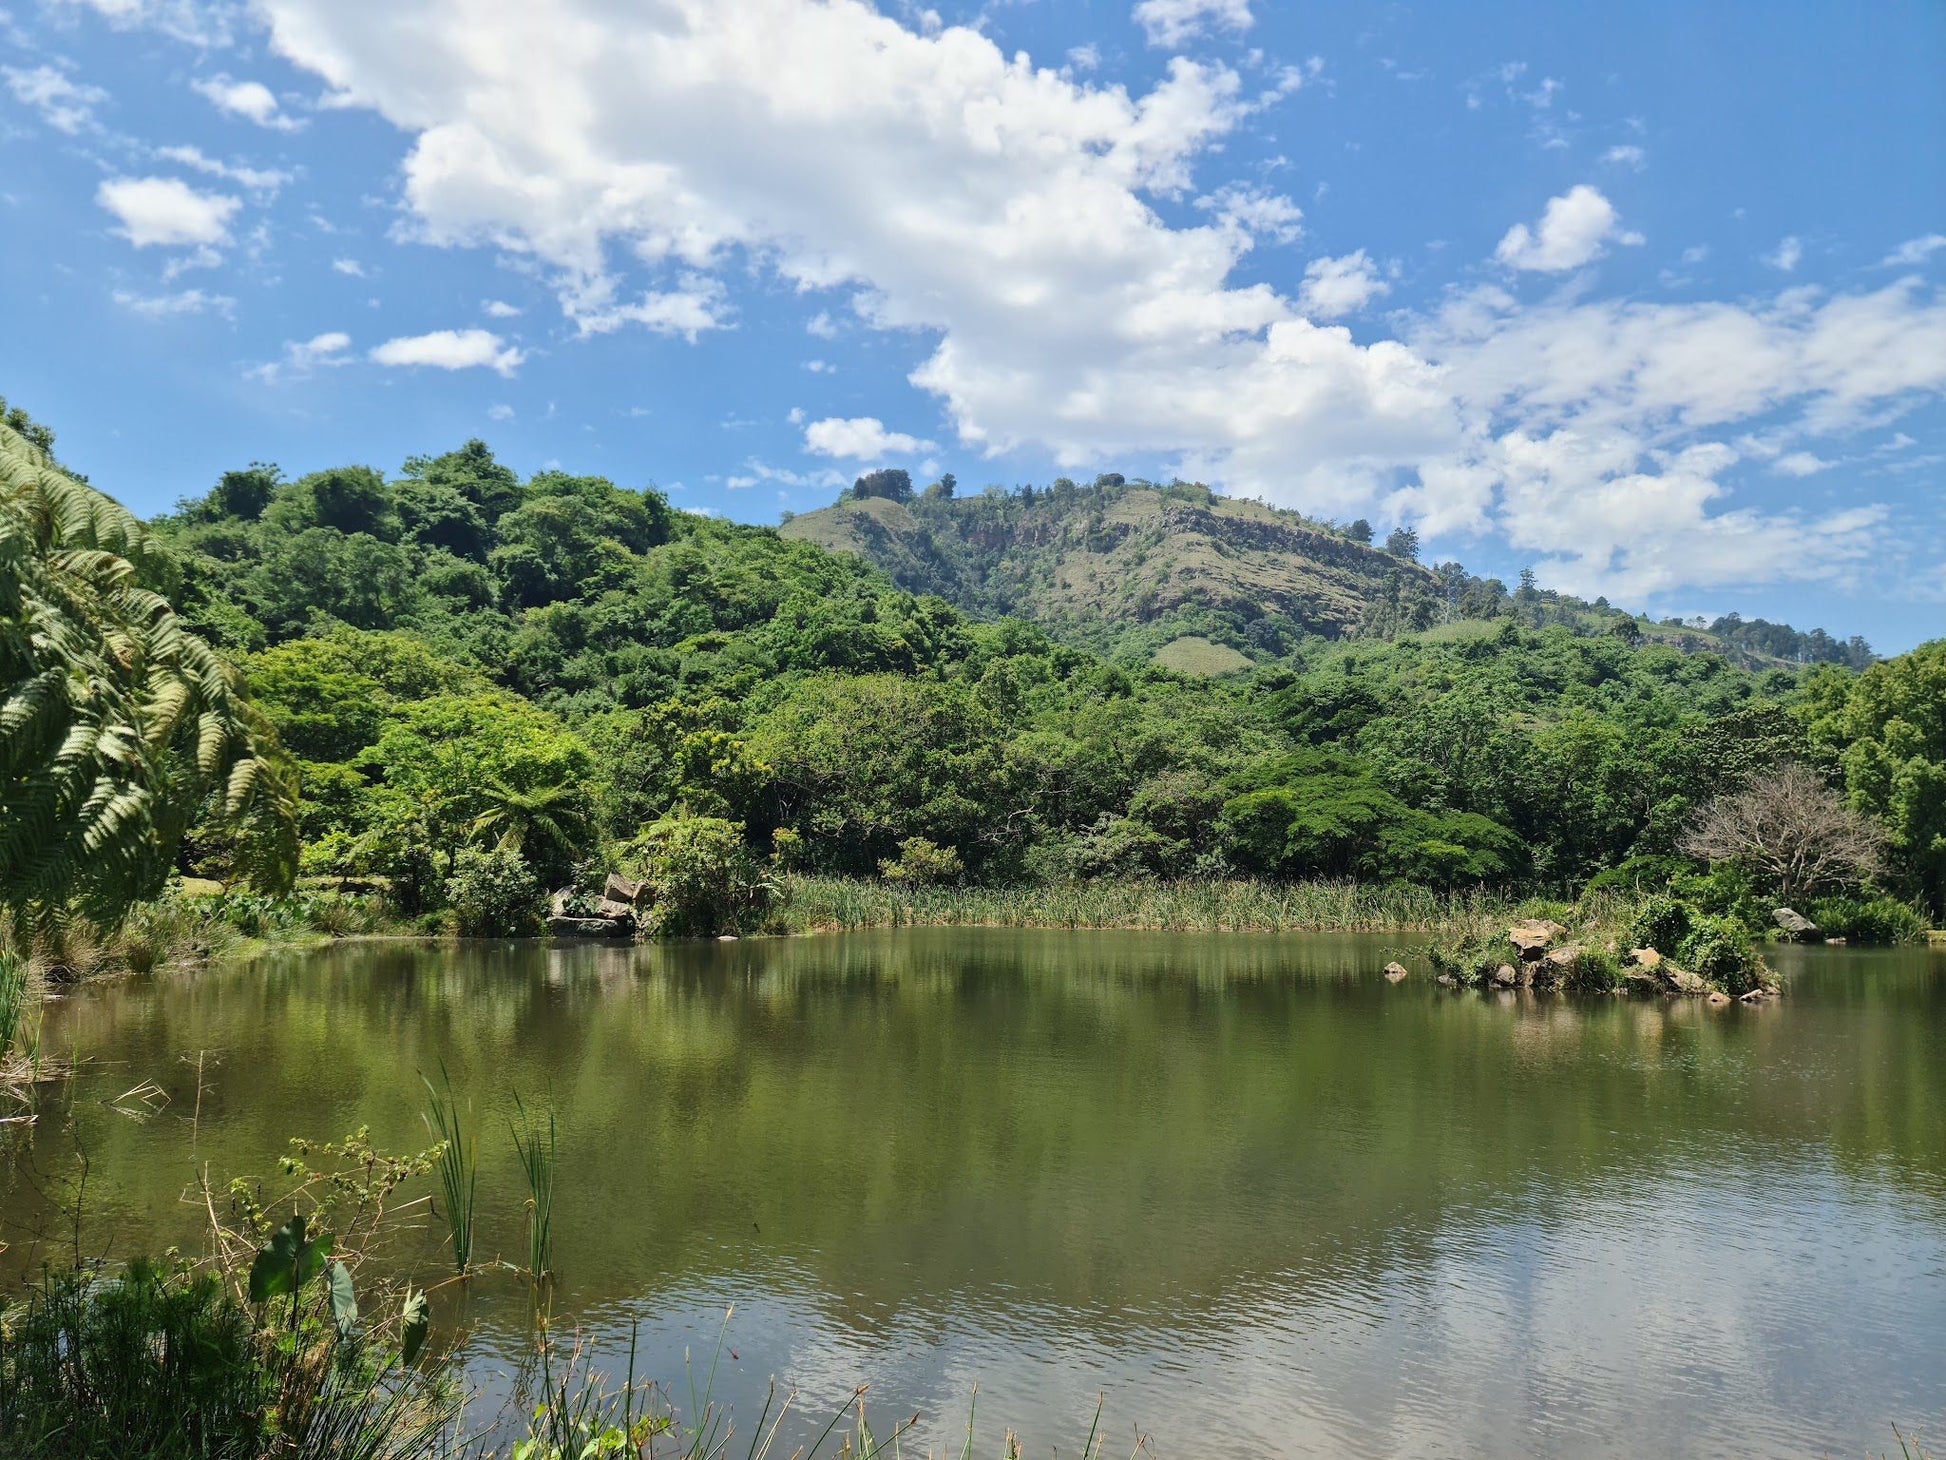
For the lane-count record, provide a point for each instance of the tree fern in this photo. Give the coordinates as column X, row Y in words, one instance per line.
column 118, row 727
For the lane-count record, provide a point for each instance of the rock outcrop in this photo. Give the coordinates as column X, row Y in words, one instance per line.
column 572, row 927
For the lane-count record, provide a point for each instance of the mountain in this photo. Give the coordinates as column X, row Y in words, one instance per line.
column 1195, row 581
column 1127, row 568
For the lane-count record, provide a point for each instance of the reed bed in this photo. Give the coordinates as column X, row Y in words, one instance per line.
column 13, row 998
column 836, row 904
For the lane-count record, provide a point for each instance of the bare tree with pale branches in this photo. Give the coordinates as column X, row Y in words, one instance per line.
column 1792, row 829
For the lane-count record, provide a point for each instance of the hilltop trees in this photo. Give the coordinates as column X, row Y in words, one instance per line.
column 892, row 483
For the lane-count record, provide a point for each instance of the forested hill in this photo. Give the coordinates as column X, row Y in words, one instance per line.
column 450, row 648
column 456, row 656
column 1181, row 576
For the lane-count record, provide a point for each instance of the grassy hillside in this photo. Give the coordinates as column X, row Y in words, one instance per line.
column 1125, row 569
column 1200, row 583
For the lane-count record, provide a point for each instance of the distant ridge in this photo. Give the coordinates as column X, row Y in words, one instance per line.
column 1199, row 582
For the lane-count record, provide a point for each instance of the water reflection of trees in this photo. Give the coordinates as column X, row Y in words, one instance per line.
column 1119, row 1124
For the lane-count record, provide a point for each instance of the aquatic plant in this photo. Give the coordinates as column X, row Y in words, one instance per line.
column 13, row 997
column 455, row 1163
column 533, row 1138
column 812, row 904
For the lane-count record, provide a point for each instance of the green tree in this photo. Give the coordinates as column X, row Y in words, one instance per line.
column 493, row 894
column 121, row 728
column 1887, row 728
column 551, row 826
column 700, row 875
column 435, row 766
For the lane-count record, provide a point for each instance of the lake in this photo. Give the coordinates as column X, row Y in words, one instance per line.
column 1260, row 1199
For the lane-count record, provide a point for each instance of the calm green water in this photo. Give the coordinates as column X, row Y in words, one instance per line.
column 1265, row 1202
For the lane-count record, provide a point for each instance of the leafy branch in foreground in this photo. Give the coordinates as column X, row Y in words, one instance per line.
column 118, row 727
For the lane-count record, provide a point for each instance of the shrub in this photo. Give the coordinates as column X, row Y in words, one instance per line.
column 1881, row 919
column 147, row 1363
column 1722, row 951
column 494, row 894
column 1637, row 874
column 1724, row 890
column 1598, row 971
column 701, row 876
column 1661, row 923
column 922, row 863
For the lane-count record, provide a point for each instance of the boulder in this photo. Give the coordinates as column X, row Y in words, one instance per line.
column 1558, row 967
column 1794, row 923
column 1531, row 939
column 1758, row 995
column 1394, row 972
column 557, row 903
column 1840, row 942
column 1445, row 980
column 1682, row 981
column 1645, row 957
column 1718, row 999
column 619, row 889
column 562, row 927
column 621, row 911
column 1505, row 976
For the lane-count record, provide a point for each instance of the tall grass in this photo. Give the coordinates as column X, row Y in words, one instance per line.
column 456, row 1164
column 159, row 1364
column 825, row 904
column 13, row 997
column 533, row 1137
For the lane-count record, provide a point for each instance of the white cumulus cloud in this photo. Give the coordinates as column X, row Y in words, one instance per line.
column 861, row 438
column 451, row 350
column 251, row 100
column 1171, row 22
column 1012, row 218
column 1572, row 231
column 167, row 212
column 1340, row 286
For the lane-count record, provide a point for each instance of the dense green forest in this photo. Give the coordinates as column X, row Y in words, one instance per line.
column 571, row 676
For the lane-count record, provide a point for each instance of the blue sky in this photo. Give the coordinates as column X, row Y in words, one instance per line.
column 1648, row 297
